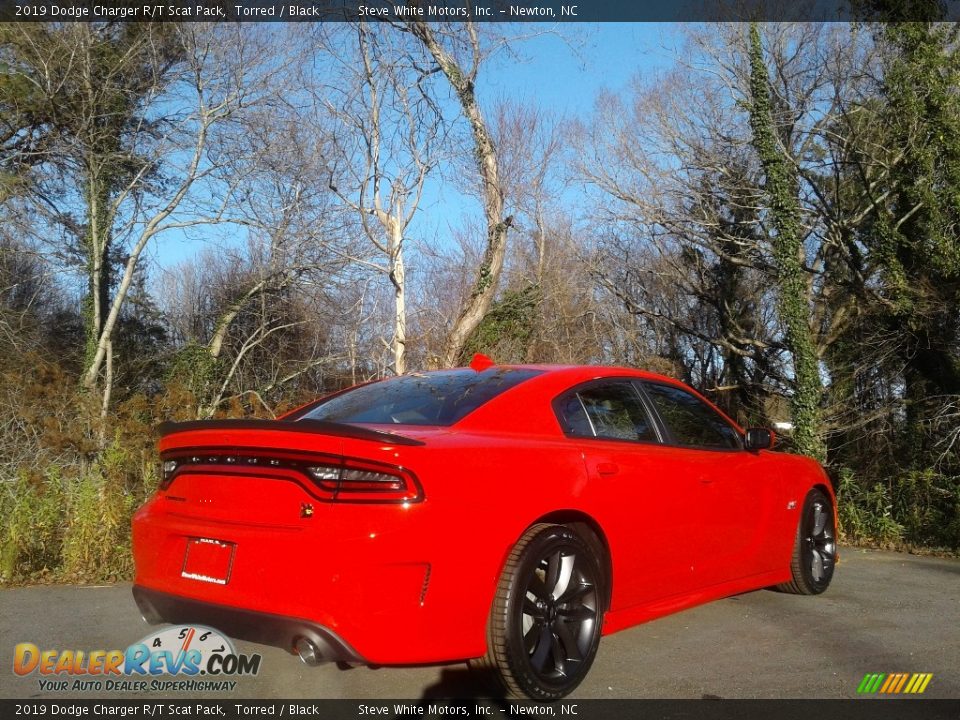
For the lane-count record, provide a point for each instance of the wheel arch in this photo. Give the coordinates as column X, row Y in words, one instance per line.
column 578, row 518
column 570, row 517
column 827, row 489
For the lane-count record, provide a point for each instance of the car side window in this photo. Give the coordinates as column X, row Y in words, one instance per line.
column 691, row 421
column 609, row 410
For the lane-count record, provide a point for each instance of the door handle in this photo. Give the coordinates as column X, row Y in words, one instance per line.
column 706, row 480
column 607, row 468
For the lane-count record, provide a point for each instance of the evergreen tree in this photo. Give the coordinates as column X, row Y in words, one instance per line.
column 74, row 106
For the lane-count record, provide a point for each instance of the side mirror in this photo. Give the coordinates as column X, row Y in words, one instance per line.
column 759, row 438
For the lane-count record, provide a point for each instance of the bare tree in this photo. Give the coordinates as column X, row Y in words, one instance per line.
column 531, row 148
column 686, row 182
column 678, row 247
column 458, row 54
column 385, row 146
column 135, row 115
column 546, row 309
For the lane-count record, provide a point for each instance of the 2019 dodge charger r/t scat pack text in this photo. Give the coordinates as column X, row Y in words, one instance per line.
column 504, row 515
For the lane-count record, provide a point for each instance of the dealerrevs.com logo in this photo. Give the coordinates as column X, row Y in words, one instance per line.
column 204, row 657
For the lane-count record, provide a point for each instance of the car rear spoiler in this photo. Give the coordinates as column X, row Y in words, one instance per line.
column 313, row 427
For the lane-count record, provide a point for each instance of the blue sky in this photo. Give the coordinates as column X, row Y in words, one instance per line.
column 560, row 68
column 563, row 68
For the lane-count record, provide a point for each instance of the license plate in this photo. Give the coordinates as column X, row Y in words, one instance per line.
column 208, row 560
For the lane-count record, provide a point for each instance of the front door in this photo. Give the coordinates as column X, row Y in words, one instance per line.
column 649, row 500
column 737, row 499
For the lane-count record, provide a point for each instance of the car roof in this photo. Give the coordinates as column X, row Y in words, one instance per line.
column 552, row 380
column 593, row 371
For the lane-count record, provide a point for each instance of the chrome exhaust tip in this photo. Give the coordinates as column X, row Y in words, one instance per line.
column 308, row 652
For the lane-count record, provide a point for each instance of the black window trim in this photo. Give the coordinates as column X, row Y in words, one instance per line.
column 652, row 416
column 669, row 438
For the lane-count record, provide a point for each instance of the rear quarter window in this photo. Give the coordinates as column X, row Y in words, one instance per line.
column 609, row 410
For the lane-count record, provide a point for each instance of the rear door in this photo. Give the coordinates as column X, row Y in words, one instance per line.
column 647, row 499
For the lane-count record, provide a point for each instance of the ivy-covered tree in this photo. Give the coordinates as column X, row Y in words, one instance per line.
column 781, row 185
column 916, row 232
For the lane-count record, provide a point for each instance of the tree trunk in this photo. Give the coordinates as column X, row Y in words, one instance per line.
column 398, row 278
column 488, row 274
column 781, row 187
column 107, row 392
column 97, row 243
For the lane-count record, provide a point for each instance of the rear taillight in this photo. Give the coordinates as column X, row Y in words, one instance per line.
column 357, row 482
column 326, row 477
column 169, row 467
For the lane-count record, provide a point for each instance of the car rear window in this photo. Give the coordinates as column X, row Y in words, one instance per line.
column 436, row 398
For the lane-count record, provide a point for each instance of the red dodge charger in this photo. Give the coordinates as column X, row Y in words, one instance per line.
column 504, row 515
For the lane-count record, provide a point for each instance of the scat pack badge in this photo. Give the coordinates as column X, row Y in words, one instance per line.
column 201, row 654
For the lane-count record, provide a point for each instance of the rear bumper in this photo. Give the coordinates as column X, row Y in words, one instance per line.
column 375, row 576
column 258, row 627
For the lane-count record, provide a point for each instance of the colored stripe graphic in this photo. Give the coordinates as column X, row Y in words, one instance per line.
column 894, row 683
column 870, row 683
column 903, row 680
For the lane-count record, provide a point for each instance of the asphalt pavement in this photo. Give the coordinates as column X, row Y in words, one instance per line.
column 884, row 613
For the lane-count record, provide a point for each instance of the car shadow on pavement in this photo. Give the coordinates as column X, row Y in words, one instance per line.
column 462, row 682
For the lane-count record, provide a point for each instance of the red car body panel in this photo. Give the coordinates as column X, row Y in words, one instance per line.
column 414, row 582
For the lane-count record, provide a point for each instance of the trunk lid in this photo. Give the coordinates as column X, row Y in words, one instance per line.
column 264, row 472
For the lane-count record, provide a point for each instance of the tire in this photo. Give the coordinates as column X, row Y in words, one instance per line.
column 547, row 615
column 815, row 547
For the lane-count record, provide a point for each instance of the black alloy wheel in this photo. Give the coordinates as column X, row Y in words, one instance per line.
column 815, row 548
column 547, row 616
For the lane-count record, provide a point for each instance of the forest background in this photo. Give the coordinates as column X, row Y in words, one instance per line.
column 229, row 220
